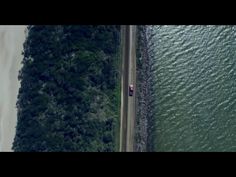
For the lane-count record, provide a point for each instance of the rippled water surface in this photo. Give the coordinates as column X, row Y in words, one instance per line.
column 194, row 87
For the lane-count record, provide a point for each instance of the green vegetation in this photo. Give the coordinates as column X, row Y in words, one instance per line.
column 69, row 95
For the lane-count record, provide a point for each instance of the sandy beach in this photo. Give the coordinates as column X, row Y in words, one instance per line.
column 11, row 45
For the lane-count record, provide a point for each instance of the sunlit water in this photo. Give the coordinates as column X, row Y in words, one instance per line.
column 11, row 47
column 194, row 87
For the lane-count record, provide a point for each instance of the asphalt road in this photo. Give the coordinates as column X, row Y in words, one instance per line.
column 128, row 76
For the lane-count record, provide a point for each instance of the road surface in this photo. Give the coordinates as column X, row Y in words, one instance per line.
column 128, row 76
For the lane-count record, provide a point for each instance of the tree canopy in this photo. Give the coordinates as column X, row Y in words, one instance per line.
column 68, row 95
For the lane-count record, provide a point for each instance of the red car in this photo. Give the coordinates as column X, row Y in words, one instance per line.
column 131, row 90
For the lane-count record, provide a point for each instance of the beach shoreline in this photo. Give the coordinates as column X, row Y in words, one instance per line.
column 11, row 42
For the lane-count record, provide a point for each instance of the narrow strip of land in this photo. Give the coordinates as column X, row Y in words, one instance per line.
column 128, row 76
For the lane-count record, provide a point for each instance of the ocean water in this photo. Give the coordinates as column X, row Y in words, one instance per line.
column 193, row 87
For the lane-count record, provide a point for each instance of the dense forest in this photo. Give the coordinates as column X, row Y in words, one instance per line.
column 69, row 95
